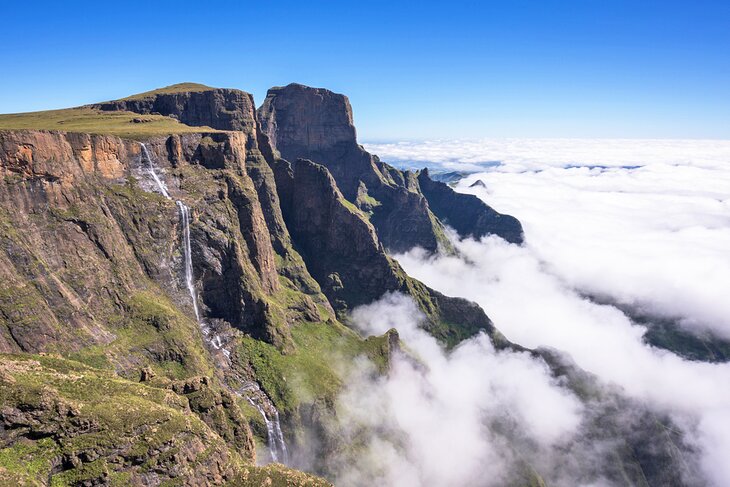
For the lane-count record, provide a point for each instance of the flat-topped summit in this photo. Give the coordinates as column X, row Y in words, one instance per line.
column 121, row 117
column 303, row 122
column 192, row 104
column 176, row 88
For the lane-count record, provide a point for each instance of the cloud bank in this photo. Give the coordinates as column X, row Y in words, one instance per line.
column 431, row 420
column 535, row 154
column 643, row 223
column 480, row 417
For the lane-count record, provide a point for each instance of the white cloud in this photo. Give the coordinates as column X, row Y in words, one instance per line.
column 655, row 236
column 428, row 423
column 534, row 154
column 535, row 308
column 646, row 223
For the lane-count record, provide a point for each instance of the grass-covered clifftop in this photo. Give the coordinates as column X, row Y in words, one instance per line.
column 176, row 88
column 127, row 125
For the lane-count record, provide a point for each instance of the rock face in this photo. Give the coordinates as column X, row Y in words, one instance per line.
column 218, row 108
column 106, row 375
column 91, row 269
column 82, row 208
column 316, row 124
column 466, row 213
column 343, row 253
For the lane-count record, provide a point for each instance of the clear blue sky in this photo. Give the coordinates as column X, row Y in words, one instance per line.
column 421, row 69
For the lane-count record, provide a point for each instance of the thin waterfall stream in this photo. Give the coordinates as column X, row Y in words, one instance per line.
column 251, row 390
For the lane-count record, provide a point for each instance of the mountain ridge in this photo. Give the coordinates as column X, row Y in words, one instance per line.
column 282, row 250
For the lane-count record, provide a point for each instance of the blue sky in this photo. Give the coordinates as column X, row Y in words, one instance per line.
column 412, row 70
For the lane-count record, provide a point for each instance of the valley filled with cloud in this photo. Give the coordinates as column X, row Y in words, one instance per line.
column 612, row 229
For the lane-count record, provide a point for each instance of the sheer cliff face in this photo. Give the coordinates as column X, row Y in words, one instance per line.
column 466, row 213
column 222, row 109
column 316, row 124
column 81, row 203
column 304, row 122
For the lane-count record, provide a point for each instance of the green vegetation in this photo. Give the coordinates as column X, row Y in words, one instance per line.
column 176, row 88
column 444, row 243
column 157, row 330
column 314, row 370
column 104, row 426
column 276, row 475
column 127, row 125
column 354, row 209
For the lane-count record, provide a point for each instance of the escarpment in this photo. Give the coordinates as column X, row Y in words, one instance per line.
column 317, row 124
column 466, row 213
column 198, row 105
column 343, row 252
column 93, row 270
column 107, row 376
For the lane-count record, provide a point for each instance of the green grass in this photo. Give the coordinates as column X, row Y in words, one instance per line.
column 29, row 458
column 146, row 424
column 276, row 475
column 315, row 368
column 176, row 88
column 92, row 121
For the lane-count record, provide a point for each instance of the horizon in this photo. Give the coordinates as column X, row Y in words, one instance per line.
column 402, row 140
column 412, row 71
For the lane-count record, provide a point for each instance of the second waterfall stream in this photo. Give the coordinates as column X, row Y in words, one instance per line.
column 252, row 392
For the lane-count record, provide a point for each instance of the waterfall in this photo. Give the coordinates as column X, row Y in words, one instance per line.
column 151, row 169
column 185, row 218
column 253, row 393
column 277, row 445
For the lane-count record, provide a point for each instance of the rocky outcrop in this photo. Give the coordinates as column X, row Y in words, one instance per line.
column 63, row 158
column 81, row 426
column 316, row 124
column 343, row 252
column 218, row 108
column 466, row 213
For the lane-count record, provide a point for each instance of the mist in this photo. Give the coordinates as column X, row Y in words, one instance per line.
column 431, row 420
column 644, row 223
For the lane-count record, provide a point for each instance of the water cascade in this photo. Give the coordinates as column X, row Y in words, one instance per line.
column 256, row 397
column 251, row 391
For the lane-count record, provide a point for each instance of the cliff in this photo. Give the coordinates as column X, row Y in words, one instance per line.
column 195, row 105
column 343, row 252
column 317, row 124
column 466, row 213
column 92, row 270
column 128, row 356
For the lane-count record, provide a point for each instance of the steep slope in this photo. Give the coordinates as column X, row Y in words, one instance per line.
column 92, row 266
column 94, row 271
column 191, row 104
column 316, row 124
column 347, row 276
column 466, row 213
column 343, row 252
column 108, row 376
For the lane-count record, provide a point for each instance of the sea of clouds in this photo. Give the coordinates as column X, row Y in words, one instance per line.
column 645, row 223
